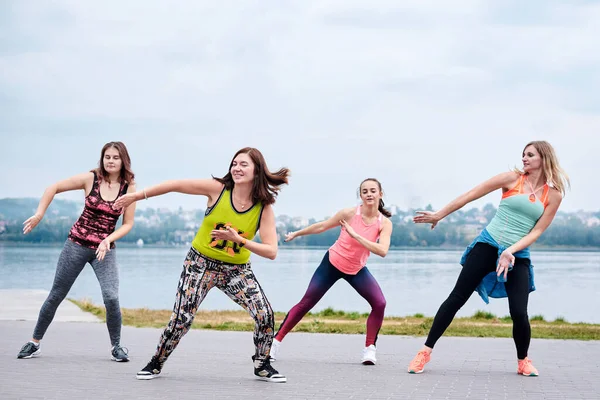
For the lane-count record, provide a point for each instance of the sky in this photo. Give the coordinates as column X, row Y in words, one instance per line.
column 429, row 97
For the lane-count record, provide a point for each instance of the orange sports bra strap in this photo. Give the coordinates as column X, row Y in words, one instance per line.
column 517, row 189
column 545, row 194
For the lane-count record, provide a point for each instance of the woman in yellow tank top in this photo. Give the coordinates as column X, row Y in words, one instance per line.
column 238, row 205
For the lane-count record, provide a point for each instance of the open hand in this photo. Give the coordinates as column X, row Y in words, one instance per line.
column 426, row 217
column 290, row 236
column 348, row 228
column 125, row 201
column 31, row 223
column 227, row 233
column 505, row 261
column 103, row 249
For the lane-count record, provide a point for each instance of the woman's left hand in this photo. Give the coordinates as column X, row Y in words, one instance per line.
column 348, row 228
column 103, row 249
column 504, row 263
column 227, row 233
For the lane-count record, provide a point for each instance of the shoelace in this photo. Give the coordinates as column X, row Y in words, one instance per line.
column 123, row 349
column 526, row 363
column 267, row 367
column 420, row 359
column 29, row 346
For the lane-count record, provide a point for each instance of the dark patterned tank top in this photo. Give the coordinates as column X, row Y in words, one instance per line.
column 98, row 219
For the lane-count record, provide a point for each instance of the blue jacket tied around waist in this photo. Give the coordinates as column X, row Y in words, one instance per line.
column 490, row 286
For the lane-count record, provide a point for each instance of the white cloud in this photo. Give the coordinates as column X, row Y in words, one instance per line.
column 430, row 97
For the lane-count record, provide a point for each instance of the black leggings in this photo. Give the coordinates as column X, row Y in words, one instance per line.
column 480, row 262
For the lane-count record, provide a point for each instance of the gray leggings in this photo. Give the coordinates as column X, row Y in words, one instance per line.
column 70, row 264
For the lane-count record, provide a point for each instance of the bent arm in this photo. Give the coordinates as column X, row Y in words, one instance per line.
column 73, row 183
column 380, row 248
column 128, row 217
column 268, row 236
column 542, row 224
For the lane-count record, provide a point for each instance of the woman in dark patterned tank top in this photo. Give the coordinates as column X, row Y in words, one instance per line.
column 91, row 240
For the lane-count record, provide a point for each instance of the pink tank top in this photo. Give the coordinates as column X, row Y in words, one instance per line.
column 347, row 254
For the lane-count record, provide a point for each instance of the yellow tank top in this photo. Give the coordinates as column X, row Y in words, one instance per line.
column 222, row 214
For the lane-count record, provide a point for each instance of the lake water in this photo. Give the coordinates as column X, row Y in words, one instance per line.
column 413, row 281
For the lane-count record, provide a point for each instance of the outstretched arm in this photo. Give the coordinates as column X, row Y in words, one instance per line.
column 380, row 248
column 73, row 183
column 503, row 180
column 206, row 187
column 322, row 226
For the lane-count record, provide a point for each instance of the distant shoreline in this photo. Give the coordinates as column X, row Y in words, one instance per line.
column 11, row 243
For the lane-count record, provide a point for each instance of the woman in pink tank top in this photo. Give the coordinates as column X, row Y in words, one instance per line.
column 364, row 231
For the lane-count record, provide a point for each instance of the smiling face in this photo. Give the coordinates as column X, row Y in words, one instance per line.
column 370, row 193
column 242, row 169
column 112, row 161
column 532, row 160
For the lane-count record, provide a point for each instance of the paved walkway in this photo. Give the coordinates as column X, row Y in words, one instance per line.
column 75, row 364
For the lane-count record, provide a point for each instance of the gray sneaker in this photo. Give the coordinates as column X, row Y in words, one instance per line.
column 29, row 350
column 119, row 354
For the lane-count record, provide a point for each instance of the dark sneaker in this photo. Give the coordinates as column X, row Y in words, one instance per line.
column 29, row 350
column 265, row 372
column 150, row 371
column 119, row 354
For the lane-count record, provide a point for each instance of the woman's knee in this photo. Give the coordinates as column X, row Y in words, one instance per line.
column 519, row 315
column 379, row 304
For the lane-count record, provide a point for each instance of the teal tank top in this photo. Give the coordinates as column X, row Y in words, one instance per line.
column 517, row 214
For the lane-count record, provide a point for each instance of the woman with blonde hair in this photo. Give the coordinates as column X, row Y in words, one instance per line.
column 497, row 263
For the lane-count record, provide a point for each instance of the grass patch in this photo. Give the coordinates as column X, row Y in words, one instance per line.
column 537, row 318
column 483, row 315
column 481, row 324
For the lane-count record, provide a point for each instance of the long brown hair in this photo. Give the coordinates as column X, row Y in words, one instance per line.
column 266, row 184
column 126, row 174
column 551, row 169
column 381, row 208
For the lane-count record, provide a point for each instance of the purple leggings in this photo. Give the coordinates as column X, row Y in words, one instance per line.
column 323, row 279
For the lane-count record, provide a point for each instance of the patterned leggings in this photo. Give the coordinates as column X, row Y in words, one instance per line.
column 200, row 274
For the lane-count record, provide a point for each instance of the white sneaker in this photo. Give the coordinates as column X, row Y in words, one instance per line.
column 274, row 350
column 368, row 357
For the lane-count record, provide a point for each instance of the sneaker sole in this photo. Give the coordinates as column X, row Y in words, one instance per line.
column 368, row 362
column 271, row 380
column 532, row 375
column 415, row 372
column 146, row 377
column 119, row 360
column 37, row 353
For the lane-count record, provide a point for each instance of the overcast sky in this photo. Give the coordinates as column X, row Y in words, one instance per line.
column 430, row 97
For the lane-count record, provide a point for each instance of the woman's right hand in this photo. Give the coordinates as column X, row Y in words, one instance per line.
column 125, row 201
column 427, row 217
column 290, row 236
column 31, row 223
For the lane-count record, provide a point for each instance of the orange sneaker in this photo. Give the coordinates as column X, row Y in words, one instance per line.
column 418, row 363
column 526, row 368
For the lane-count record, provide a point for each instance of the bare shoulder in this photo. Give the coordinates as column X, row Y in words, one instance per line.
column 386, row 222
column 347, row 213
column 555, row 196
column 132, row 187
